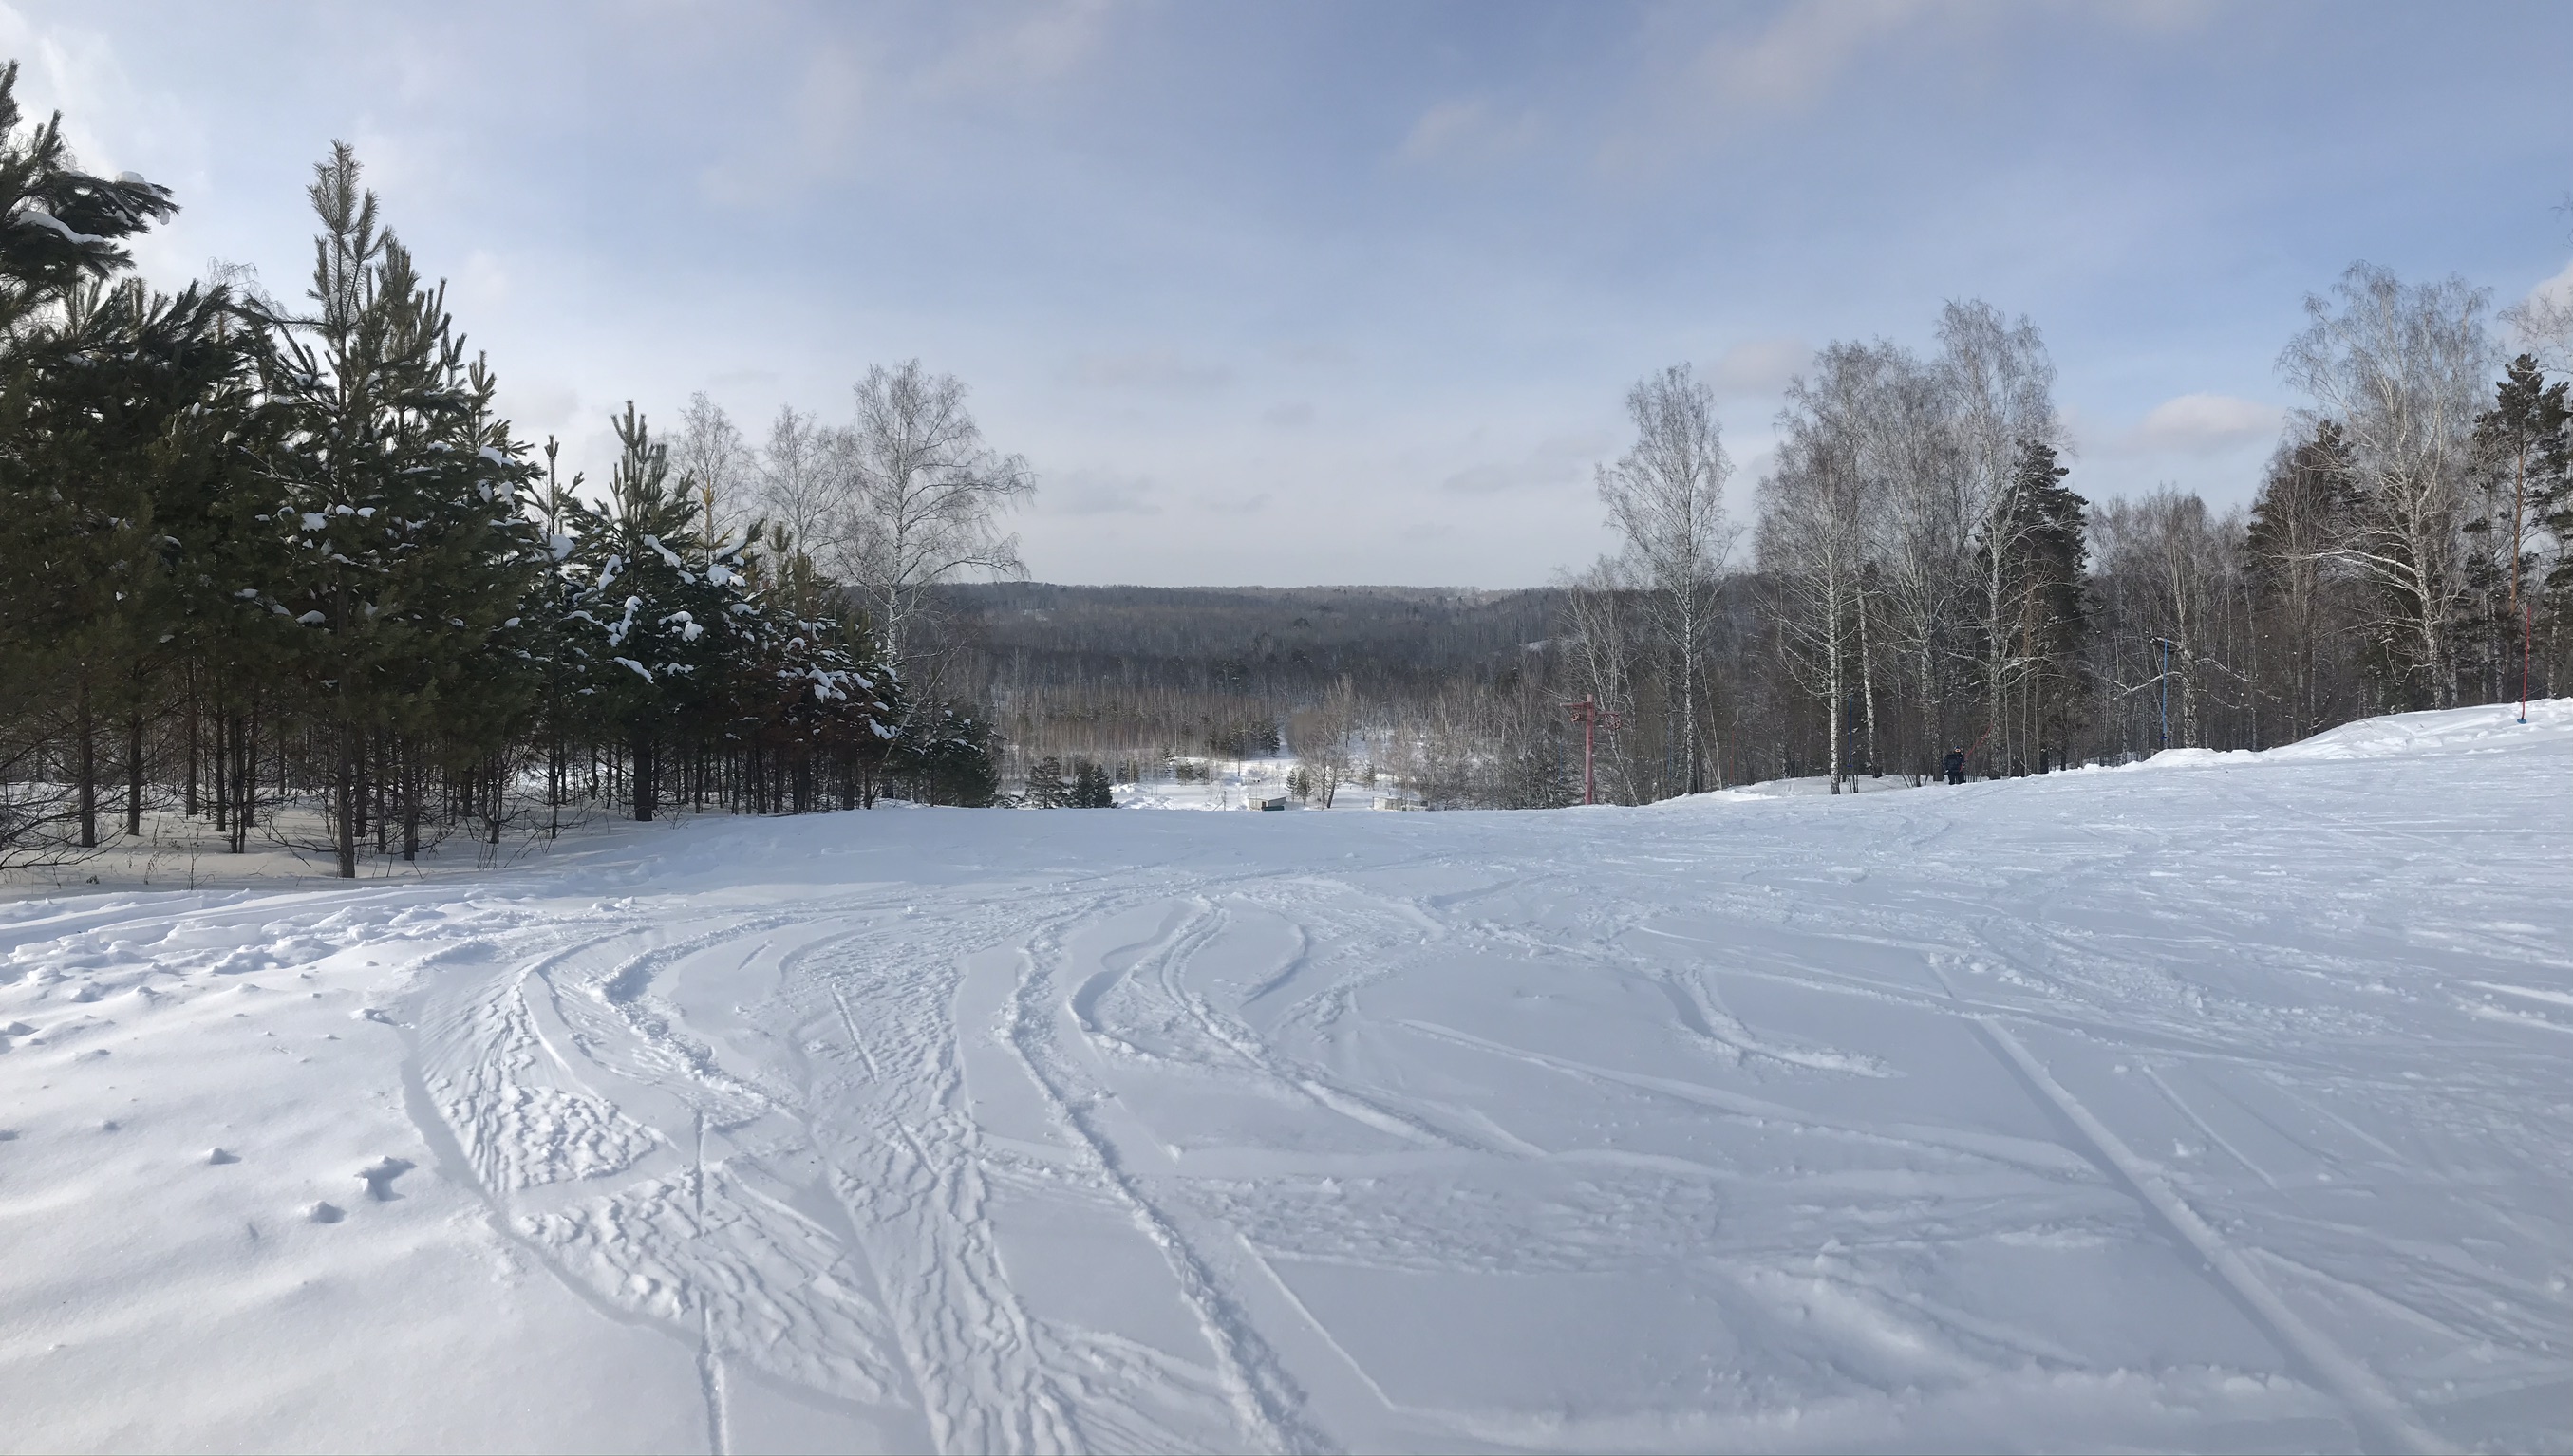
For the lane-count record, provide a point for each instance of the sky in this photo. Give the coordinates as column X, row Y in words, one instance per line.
column 1301, row 294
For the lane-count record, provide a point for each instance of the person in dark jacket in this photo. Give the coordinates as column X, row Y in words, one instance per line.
column 1955, row 765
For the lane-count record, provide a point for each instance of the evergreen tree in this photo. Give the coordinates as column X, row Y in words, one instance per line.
column 397, row 500
column 2045, row 580
column 944, row 756
column 2524, row 456
column 654, row 617
column 2301, row 515
column 1090, row 786
column 1046, row 786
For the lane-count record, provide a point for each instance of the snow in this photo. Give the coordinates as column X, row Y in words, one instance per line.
column 2206, row 1107
column 31, row 211
column 1245, row 783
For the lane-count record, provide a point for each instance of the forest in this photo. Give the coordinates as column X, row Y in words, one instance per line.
column 1920, row 574
column 275, row 570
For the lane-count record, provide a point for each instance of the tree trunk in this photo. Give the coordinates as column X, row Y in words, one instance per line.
column 639, row 778
column 86, row 766
column 344, row 796
column 134, row 772
column 191, row 803
column 411, row 774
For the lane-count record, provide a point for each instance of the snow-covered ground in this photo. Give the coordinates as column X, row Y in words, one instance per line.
column 1246, row 783
column 2217, row 1103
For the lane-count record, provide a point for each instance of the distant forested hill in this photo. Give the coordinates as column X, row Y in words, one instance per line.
column 1282, row 642
column 1135, row 675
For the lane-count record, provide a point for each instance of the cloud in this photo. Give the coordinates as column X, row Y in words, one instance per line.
column 1046, row 43
column 539, row 407
column 1467, row 130
column 1097, row 492
column 1759, row 366
column 813, row 136
column 1236, row 505
column 1151, row 370
column 1297, row 414
column 2542, row 322
column 1555, row 462
column 2557, row 290
column 2202, row 424
column 483, row 283
column 1795, row 59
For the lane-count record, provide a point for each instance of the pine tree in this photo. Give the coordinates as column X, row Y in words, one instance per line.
column 1046, row 786
column 398, row 503
column 1090, row 786
column 2524, row 450
column 655, row 658
column 2043, row 580
column 80, row 361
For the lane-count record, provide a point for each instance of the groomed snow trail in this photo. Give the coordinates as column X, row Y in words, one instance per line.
column 2214, row 1105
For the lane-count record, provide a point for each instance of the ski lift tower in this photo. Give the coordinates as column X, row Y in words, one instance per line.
column 1594, row 720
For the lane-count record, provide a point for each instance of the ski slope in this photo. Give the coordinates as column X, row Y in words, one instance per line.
column 2219, row 1102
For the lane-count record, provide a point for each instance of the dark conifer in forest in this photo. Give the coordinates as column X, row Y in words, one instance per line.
column 1047, row 788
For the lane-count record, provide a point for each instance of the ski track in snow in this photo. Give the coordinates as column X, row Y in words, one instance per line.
column 2210, row 1106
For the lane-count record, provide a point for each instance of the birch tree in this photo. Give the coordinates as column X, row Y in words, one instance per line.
column 804, row 481
column 1815, row 510
column 1922, row 546
column 2001, row 387
column 712, row 457
column 2401, row 369
column 2172, row 563
column 926, row 496
column 1665, row 498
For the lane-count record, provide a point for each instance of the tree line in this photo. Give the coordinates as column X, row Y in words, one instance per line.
column 1917, row 574
column 1924, row 577
column 283, row 569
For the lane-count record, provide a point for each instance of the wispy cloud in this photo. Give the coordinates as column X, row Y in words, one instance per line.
column 1792, row 61
column 1558, row 462
column 1759, row 367
column 2202, row 424
column 1147, row 370
column 1468, row 130
column 1097, row 492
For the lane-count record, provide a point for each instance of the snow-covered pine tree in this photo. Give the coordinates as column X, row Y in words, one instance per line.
column 815, row 692
column 661, row 605
column 407, row 554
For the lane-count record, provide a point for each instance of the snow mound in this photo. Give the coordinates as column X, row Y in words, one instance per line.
column 2455, row 730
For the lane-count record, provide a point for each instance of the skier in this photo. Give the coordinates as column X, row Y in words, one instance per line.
column 1955, row 765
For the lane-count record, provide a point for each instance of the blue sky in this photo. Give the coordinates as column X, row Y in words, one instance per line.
column 1323, row 293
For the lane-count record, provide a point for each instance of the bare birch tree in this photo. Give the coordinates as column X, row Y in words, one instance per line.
column 1816, row 507
column 712, row 458
column 804, row 483
column 2402, row 369
column 926, row 497
column 1924, row 548
column 2001, row 387
column 1606, row 656
column 1665, row 496
column 2173, row 564
column 1320, row 738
